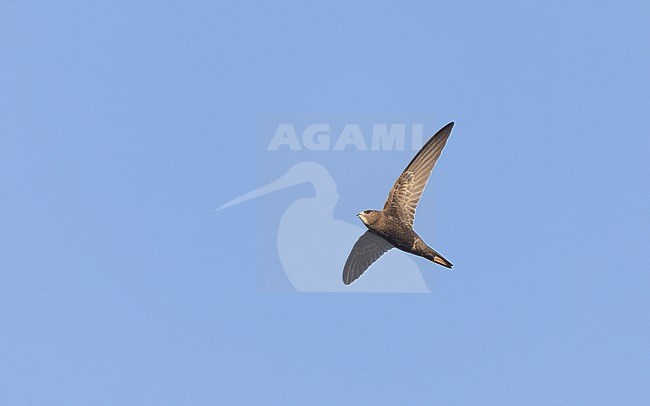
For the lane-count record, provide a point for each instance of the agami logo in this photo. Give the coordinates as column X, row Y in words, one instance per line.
column 319, row 137
column 311, row 245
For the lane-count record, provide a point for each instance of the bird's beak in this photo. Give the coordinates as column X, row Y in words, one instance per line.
column 283, row 182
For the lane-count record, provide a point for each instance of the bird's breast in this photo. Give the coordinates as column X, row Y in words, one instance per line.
column 396, row 232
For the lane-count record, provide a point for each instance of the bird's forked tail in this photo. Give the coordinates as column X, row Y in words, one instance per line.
column 439, row 259
column 431, row 254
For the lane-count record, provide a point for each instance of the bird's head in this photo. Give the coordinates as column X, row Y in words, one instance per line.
column 369, row 216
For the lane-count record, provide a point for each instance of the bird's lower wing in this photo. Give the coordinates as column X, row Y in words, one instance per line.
column 368, row 248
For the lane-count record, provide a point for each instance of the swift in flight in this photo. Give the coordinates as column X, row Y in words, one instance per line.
column 393, row 225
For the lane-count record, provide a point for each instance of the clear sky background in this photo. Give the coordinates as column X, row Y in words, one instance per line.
column 123, row 125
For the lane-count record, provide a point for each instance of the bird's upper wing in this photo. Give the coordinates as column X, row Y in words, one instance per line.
column 368, row 248
column 407, row 190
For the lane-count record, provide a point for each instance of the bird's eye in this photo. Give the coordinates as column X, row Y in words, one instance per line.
column 367, row 211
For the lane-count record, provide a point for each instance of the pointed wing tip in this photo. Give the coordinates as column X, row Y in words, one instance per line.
column 348, row 279
column 447, row 128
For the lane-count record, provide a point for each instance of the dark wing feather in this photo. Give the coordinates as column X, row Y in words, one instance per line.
column 407, row 190
column 368, row 248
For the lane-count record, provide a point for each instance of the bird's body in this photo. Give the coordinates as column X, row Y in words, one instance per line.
column 401, row 236
column 393, row 225
column 394, row 230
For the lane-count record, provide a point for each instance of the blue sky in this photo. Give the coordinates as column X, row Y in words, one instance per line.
column 124, row 125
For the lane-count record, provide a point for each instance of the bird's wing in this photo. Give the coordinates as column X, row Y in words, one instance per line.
column 368, row 248
column 407, row 190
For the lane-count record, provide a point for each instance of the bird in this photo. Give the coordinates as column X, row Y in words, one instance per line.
column 308, row 255
column 392, row 227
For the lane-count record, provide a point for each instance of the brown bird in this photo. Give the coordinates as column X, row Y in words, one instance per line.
column 393, row 225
